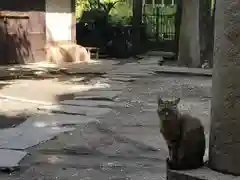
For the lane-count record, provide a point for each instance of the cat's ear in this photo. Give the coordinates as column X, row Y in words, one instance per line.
column 176, row 101
column 160, row 101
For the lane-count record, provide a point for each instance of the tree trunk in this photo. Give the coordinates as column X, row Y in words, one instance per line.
column 211, row 36
column 189, row 47
column 177, row 26
column 224, row 144
column 137, row 20
column 205, row 30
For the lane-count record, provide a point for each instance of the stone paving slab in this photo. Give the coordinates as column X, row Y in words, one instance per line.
column 81, row 153
column 120, row 78
column 182, row 70
column 123, row 79
column 55, row 120
column 128, row 68
column 100, row 67
column 75, row 110
column 135, row 74
column 27, row 137
column 111, row 170
column 10, row 158
column 116, row 75
column 142, row 71
column 34, row 130
column 39, row 128
column 203, row 173
column 111, row 87
column 82, row 102
column 107, row 80
column 95, row 103
column 43, row 70
column 19, row 71
column 110, row 95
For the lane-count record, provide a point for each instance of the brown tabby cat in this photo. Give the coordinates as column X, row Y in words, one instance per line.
column 183, row 134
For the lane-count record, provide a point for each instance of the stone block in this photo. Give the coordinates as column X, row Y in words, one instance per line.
column 203, row 173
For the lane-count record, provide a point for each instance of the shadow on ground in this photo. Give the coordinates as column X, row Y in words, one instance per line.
column 74, row 80
column 36, row 93
column 9, row 121
column 96, row 152
column 5, row 83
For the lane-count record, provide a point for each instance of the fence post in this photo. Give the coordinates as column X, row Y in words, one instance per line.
column 137, row 21
column 157, row 23
column 178, row 18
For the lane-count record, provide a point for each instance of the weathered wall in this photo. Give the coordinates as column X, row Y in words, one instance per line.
column 24, row 38
column 224, row 144
column 23, row 25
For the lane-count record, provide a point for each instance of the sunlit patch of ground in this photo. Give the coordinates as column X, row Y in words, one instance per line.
column 21, row 98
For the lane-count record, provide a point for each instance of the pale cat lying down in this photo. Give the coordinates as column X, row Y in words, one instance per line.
column 183, row 134
column 66, row 53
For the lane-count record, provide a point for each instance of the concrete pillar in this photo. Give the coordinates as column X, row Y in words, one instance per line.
column 59, row 20
column 224, row 147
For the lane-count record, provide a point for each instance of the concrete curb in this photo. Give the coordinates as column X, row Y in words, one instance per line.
column 203, row 173
column 183, row 71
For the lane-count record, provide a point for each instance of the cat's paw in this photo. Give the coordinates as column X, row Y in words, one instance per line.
column 171, row 164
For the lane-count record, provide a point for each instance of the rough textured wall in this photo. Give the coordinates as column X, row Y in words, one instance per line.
column 225, row 128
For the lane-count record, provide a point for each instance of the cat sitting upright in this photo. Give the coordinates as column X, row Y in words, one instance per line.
column 183, row 134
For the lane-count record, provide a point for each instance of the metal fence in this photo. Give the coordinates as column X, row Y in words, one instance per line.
column 160, row 22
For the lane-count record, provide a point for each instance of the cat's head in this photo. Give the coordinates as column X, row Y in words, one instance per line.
column 167, row 109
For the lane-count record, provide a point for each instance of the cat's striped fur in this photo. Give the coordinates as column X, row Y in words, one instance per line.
column 184, row 136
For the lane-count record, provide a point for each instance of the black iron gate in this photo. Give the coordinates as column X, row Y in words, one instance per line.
column 160, row 26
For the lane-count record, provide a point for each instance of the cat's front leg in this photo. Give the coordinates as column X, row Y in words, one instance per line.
column 172, row 161
column 170, row 154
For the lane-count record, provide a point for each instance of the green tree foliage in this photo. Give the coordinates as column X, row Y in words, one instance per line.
column 118, row 10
